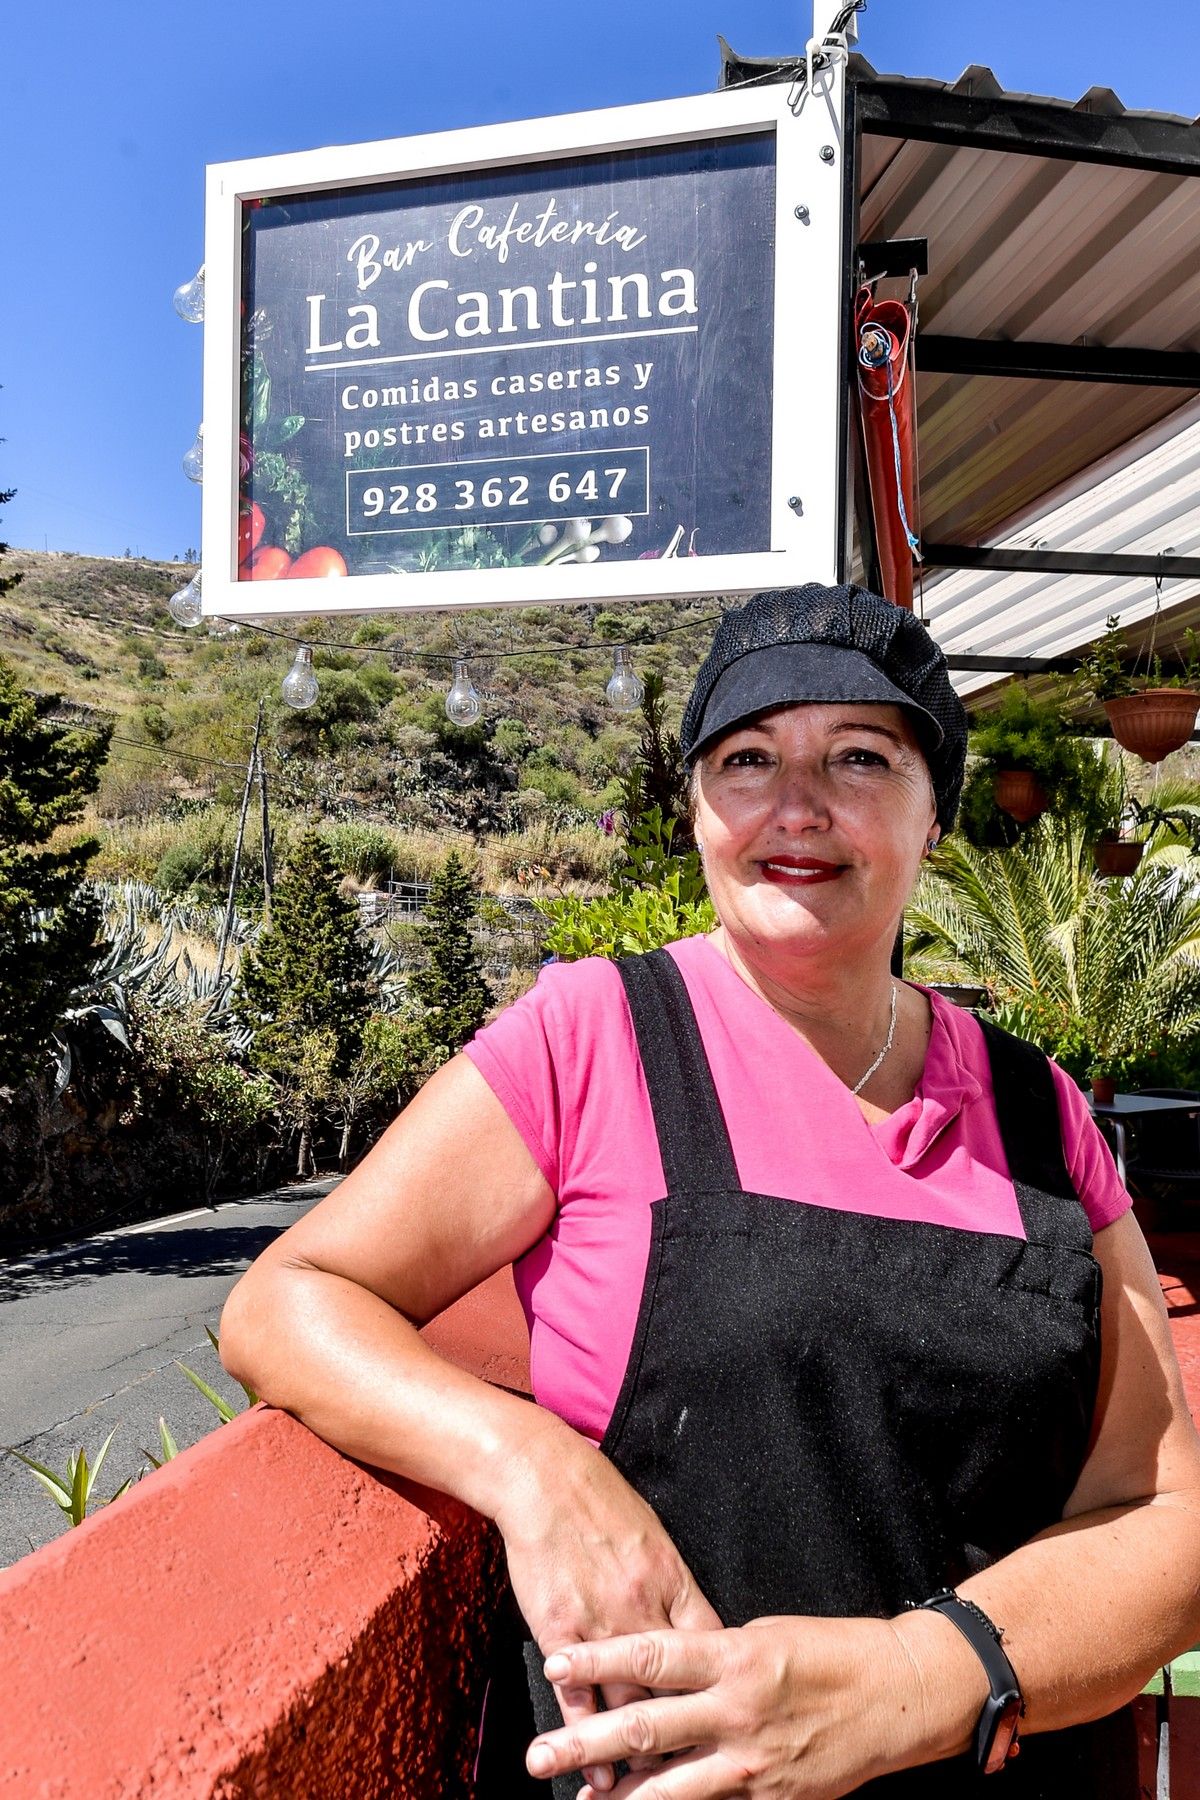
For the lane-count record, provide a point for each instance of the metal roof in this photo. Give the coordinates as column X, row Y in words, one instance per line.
column 1040, row 249
column 1071, row 227
column 1048, row 250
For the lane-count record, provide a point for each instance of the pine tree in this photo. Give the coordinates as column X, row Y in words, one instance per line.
column 450, row 984
column 48, row 924
column 7, row 582
column 304, row 989
column 656, row 775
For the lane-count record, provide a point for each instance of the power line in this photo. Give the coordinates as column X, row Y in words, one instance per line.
column 157, row 749
column 465, row 654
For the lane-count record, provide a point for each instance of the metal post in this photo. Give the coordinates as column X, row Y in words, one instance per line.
column 268, row 861
column 227, row 926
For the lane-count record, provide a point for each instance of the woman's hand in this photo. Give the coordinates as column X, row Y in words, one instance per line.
column 783, row 1709
column 589, row 1560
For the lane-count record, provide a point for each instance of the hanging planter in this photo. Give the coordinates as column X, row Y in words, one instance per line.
column 1153, row 722
column 1117, row 856
column 1151, row 714
column 1025, row 763
column 1020, row 794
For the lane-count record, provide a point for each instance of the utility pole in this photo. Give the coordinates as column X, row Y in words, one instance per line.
column 227, row 926
column 268, row 860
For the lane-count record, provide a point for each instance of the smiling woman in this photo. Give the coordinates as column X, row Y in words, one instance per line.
column 839, row 1320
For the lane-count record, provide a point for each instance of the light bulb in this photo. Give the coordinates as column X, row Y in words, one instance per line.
column 184, row 606
column 624, row 690
column 463, row 704
column 299, row 686
column 193, row 461
column 189, row 299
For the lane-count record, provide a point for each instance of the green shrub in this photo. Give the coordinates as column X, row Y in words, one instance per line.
column 657, row 896
column 367, row 852
column 181, row 868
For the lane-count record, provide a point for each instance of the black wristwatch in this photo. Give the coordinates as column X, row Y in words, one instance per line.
column 996, row 1732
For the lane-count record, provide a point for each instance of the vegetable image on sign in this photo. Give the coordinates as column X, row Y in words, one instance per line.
column 252, row 523
column 316, row 562
column 268, row 563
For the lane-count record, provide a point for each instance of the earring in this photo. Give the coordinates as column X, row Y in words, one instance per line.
column 931, row 845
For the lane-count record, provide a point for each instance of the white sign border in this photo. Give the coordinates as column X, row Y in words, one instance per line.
column 806, row 529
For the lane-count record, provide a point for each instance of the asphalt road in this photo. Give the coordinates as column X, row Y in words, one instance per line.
column 89, row 1339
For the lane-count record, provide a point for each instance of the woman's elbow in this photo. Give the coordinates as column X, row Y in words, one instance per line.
column 251, row 1309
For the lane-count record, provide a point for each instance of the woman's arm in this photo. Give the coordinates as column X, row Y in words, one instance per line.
column 324, row 1325
column 1089, row 1609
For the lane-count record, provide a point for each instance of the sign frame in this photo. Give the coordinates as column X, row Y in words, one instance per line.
column 806, row 501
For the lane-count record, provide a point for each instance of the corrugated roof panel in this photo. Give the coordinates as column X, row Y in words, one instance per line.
column 1146, row 499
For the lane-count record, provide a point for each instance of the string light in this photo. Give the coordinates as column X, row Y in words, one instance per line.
column 184, row 605
column 625, row 692
column 299, row 687
column 463, row 705
column 193, row 460
column 189, row 299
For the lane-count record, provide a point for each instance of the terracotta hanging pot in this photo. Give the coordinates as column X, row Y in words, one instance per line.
column 1116, row 856
column 1155, row 722
column 1020, row 794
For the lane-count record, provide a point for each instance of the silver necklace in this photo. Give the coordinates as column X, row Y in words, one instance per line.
column 860, row 1085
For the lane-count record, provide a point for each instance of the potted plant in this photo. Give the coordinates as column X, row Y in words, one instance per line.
column 1026, row 763
column 1151, row 713
column 1115, row 855
column 1102, row 1074
column 1117, row 852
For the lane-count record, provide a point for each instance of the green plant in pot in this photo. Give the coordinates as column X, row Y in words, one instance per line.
column 1026, row 763
column 1151, row 711
column 1117, row 837
column 1103, row 1078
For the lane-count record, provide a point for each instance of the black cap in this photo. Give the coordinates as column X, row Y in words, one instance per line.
column 814, row 643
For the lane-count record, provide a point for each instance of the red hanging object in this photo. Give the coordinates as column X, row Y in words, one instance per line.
column 885, row 397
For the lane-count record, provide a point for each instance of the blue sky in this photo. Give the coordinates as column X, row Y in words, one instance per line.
column 109, row 113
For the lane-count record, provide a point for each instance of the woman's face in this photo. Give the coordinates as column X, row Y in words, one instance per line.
column 813, row 820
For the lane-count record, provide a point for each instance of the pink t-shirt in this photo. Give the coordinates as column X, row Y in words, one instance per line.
column 563, row 1062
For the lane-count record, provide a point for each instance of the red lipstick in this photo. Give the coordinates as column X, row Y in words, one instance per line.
column 799, row 871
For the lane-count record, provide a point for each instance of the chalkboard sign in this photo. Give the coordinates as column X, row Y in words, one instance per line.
column 576, row 359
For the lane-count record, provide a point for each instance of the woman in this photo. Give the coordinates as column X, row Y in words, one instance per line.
column 818, row 1261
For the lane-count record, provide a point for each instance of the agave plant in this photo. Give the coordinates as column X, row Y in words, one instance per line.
column 1116, row 963
column 74, row 1492
column 125, row 964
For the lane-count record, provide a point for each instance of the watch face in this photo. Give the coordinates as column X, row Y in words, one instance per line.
column 1004, row 1738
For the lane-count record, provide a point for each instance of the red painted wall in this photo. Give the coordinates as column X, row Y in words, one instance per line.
column 260, row 1618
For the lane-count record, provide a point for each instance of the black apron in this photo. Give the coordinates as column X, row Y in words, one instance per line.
column 838, row 1414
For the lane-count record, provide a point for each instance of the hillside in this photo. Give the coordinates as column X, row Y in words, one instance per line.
column 522, row 790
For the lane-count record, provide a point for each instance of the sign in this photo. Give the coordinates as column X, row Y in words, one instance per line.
column 575, row 359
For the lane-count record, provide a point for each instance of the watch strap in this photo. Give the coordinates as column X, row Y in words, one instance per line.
column 1004, row 1700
